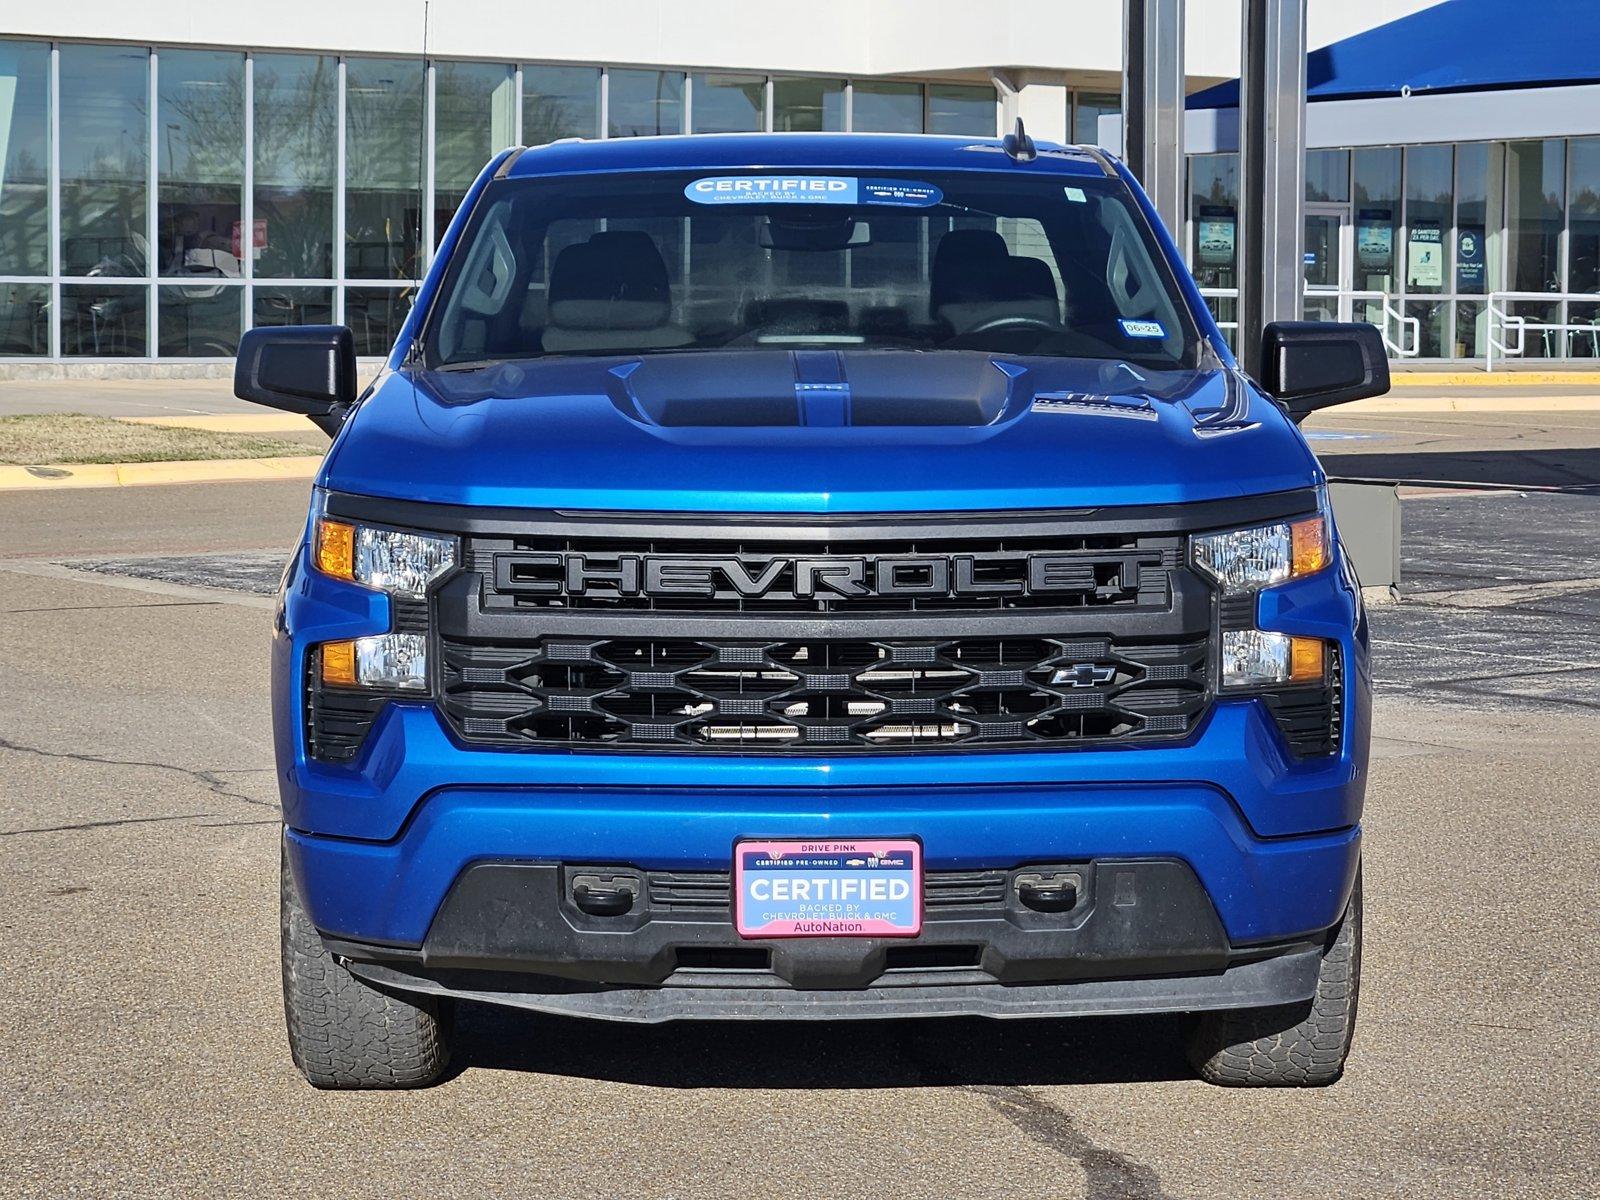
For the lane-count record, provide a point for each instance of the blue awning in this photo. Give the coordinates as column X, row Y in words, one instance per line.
column 1456, row 46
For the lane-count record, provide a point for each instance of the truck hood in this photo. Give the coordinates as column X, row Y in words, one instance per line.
column 816, row 431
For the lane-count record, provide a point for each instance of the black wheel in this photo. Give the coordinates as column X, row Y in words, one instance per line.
column 1293, row 1045
column 344, row 1033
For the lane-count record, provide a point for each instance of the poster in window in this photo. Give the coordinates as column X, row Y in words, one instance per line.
column 1375, row 238
column 1470, row 261
column 1425, row 256
column 1214, row 236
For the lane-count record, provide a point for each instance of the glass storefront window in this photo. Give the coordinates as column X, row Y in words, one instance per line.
column 1584, row 341
column 1090, row 107
column 1214, row 220
column 24, row 318
column 1471, row 255
column 1430, row 198
column 103, row 320
column 375, row 316
column 296, row 136
column 1375, row 176
column 643, row 103
column 276, row 306
column 474, row 114
column 1469, row 327
column 882, row 107
column 383, row 168
column 808, row 105
column 729, row 104
column 200, row 164
column 969, row 111
column 1328, row 176
column 199, row 320
column 1583, row 207
column 559, row 102
column 1534, row 202
column 105, row 169
column 24, row 161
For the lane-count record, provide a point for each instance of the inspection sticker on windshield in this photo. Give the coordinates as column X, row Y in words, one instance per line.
column 1142, row 329
column 811, row 189
column 828, row 888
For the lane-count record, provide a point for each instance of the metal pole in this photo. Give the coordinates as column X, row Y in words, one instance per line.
column 1152, row 103
column 1272, row 136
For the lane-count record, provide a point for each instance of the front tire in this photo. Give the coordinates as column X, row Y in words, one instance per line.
column 1292, row 1045
column 344, row 1033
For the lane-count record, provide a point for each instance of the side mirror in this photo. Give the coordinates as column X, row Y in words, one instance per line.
column 1307, row 365
column 308, row 369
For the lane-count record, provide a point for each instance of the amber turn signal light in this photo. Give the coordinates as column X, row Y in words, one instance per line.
column 336, row 549
column 1309, row 546
column 339, row 664
column 1306, row 659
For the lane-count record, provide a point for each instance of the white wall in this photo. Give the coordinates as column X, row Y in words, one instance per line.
column 1082, row 38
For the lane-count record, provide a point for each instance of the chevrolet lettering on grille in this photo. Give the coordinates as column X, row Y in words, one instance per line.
column 557, row 574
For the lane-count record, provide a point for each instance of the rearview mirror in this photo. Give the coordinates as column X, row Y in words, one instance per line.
column 308, row 369
column 1307, row 365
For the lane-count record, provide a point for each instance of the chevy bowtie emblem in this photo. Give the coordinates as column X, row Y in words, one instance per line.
column 1083, row 675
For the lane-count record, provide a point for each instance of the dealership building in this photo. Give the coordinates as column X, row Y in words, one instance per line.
column 172, row 174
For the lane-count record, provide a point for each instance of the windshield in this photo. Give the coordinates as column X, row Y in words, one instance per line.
column 1013, row 262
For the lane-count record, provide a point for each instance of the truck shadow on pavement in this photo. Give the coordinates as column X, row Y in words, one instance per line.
column 945, row 1052
column 1567, row 469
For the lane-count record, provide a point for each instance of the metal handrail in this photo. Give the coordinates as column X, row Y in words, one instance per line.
column 1502, row 323
column 1392, row 312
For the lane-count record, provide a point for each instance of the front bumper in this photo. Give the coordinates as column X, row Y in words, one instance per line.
column 1269, row 844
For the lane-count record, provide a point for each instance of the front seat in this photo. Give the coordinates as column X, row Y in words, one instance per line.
column 1013, row 287
column 962, row 259
column 611, row 293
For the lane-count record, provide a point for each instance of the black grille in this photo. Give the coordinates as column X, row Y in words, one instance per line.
column 899, row 575
column 1311, row 719
column 666, row 693
column 702, row 891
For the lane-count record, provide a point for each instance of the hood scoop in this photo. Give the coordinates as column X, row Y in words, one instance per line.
column 816, row 389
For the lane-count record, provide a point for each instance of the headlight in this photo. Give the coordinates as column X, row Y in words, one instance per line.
column 1255, row 658
column 387, row 660
column 1246, row 560
column 390, row 560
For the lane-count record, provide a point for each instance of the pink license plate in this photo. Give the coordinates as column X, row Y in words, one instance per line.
column 868, row 888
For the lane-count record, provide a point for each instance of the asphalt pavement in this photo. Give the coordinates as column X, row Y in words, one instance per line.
column 142, row 1052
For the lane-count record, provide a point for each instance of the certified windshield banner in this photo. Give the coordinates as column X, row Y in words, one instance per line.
column 811, row 189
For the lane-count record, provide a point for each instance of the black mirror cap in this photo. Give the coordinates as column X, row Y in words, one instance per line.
column 308, row 369
column 1308, row 365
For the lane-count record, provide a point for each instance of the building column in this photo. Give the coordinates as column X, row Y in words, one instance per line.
column 1152, row 103
column 1042, row 103
column 1272, row 136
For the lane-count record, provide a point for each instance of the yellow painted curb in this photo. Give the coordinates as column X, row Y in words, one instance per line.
column 1486, row 379
column 1393, row 404
column 99, row 475
column 231, row 422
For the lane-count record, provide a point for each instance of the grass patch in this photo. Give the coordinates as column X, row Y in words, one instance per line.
column 39, row 439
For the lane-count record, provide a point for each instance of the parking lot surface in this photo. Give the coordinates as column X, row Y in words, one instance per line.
column 142, row 1052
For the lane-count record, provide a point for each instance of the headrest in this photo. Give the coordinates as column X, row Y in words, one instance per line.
column 615, row 280
column 962, row 255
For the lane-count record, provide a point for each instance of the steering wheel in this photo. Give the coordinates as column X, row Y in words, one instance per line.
column 1016, row 321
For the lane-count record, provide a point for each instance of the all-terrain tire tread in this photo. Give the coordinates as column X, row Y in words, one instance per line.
column 344, row 1033
column 1293, row 1045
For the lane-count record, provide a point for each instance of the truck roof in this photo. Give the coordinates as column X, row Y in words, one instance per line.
column 760, row 151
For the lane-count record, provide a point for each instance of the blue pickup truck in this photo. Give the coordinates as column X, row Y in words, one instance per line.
column 818, row 577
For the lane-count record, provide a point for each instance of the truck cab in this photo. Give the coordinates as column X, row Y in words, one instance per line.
column 818, row 577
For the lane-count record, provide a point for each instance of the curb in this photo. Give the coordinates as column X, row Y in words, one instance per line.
column 1498, row 379
column 1398, row 404
column 231, row 422
column 100, row 475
